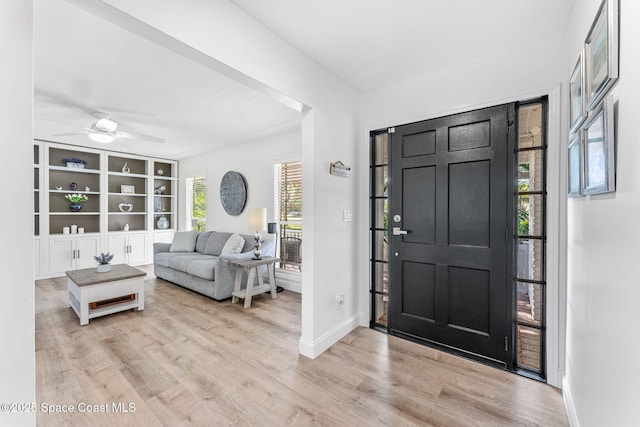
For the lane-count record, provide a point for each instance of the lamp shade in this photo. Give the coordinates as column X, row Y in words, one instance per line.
column 258, row 219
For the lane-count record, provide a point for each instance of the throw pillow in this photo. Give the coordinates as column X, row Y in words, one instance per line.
column 234, row 245
column 216, row 242
column 183, row 241
column 201, row 241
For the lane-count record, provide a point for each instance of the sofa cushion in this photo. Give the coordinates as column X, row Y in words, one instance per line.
column 163, row 258
column 203, row 268
column 201, row 241
column 182, row 261
column 216, row 243
column 183, row 241
column 234, row 245
column 249, row 242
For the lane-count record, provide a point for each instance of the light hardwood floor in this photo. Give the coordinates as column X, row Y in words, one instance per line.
column 189, row 360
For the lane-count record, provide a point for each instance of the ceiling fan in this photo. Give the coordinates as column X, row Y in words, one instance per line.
column 105, row 131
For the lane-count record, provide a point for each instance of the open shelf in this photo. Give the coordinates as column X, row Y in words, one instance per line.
column 168, row 170
column 136, row 167
column 133, row 175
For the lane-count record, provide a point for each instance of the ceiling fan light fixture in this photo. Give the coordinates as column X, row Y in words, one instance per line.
column 106, row 125
column 102, row 138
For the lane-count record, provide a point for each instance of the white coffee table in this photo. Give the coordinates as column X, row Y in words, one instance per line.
column 93, row 294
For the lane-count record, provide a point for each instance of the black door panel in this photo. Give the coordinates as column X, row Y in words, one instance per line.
column 450, row 272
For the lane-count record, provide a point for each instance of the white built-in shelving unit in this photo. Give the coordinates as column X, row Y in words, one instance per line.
column 120, row 216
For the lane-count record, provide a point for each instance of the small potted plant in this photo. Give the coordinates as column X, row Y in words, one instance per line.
column 103, row 262
column 76, row 201
column 74, row 162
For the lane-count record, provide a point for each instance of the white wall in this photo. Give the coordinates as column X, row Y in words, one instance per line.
column 603, row 348
column 254, row 160
column 329, row 133
column 17, row 358
column 503, row 75
column 526, row 70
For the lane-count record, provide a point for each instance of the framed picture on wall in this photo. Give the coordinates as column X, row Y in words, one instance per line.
column 575, row 164
column 601, row 54
column 576, row 100
column 599, row 150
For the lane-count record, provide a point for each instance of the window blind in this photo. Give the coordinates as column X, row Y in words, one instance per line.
column 291, row 192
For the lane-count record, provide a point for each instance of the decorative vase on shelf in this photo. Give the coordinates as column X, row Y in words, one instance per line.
column 125, row 168
column 74, row 163
column 75, row 201
column 163, row 223
column 73, row 186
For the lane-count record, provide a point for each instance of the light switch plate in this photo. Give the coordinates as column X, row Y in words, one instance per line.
column 347, row 215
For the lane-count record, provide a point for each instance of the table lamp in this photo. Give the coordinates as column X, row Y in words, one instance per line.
column 257, row 221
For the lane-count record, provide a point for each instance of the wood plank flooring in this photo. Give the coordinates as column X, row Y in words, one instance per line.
column 189, row 360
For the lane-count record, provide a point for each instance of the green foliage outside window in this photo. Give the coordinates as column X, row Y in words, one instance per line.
column 199, row 210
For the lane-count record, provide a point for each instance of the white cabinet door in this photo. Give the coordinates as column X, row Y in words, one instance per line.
column 61, row 254
column 86, row 249
column 138, row 249
column 118, row 247
column 72, row 253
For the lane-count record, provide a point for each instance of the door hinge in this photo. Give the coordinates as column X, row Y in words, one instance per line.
column 506, row 235
column 506, row 344
column 509, row 125
column 391, row 130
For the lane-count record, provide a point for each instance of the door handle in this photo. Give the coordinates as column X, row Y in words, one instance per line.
column 398, row 232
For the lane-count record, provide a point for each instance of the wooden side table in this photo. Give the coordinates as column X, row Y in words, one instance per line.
column 252, row 266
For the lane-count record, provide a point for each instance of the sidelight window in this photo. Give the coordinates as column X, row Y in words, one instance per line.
column 379, row 201
column 530, row 245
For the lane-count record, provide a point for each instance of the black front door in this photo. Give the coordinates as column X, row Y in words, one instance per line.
column 451, row 193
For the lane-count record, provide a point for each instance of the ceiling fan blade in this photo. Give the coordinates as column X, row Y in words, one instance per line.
column 63, row 100
column 70, row 133
column 142, row 137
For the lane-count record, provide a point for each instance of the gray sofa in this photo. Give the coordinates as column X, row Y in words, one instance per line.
column 204, row 269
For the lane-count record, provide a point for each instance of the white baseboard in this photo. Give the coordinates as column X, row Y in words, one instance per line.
column 313, row 349
column 568, row 403
column 290, row 280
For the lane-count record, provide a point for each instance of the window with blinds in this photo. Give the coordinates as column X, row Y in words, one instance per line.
column 288, row 208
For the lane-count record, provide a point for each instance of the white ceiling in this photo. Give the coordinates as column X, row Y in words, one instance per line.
column 373, row 43
column 84, row 64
